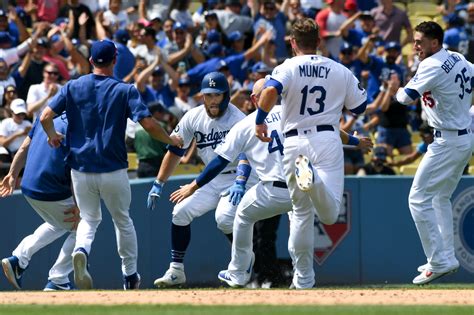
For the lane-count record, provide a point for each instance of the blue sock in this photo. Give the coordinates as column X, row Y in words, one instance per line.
column 180, row 238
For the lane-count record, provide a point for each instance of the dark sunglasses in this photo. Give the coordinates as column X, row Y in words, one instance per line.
column 52, row 72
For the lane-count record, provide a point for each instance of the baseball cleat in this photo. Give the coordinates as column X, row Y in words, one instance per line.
column 132, row 282
column 51, row 286
column 13, row 271
column 82, row 278
column 224, row 276
column 427, row 276
column 304, row 173
column 422, row 267
column 172, row 277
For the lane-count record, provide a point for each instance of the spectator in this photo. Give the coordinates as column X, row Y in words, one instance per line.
column 9, row 94
column 311, row 7
column 72, row 10
column 125, row 58
column 392, row 130
column 183, row 102
column 36, row 66
column 152, row 85
column 426, row 133
column 155, row 8
column 146, row 49
column 13, row 25
column 470, row 31
column 150, row 152
column 179, row 11
column 357, row 36
column 391, row 20
column 168, row 32
column 231, row 20
column 295, row 11
column 182, row 48
column 330, row 20
column 115, row 16
column 15, row 129
column 46, row 10
column 347, row 57
column 377, row 165
column 455, row 36
column 40, row 94
column 271, row 19
column 353, row 156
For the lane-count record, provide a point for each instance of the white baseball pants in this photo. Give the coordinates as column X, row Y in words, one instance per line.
column 435, row 180
column 54, row 227
column 114, row 189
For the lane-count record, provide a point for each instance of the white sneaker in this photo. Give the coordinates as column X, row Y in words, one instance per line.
column 224, row 276
column 304, row 173
column 427, row 276
column 422, row 267
column 172, row 277
column 82, row 277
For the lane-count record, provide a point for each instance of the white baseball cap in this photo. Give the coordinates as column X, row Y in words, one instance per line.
column 18, row 106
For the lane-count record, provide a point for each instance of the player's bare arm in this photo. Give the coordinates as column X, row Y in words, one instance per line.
column 157, row 132
column 54, row 138
column 9, row 182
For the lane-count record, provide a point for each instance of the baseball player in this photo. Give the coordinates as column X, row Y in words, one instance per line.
column 269, row 197
column 208, row 125
column 97, row 106
column 46, row 185
column 314, row 90
column 443, row 81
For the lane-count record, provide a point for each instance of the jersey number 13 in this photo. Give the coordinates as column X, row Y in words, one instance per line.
column 319, row 104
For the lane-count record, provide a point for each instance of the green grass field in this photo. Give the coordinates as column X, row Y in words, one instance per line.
column 231, row 310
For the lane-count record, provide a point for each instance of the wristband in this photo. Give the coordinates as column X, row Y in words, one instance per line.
column 159, row 182
column 353, row 141
column 261, row 115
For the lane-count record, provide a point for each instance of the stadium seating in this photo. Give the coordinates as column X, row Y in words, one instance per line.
column 132, row 162
column 186, row 169
column 409, row 169
column 422, row 8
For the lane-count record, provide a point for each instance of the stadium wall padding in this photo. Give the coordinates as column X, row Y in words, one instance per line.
column 381, row 245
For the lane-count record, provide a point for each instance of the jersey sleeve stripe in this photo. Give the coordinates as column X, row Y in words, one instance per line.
column 413, row 94
column 359, row 109
column 277, row 85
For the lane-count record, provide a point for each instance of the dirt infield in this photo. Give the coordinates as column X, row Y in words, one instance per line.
column 246, row 297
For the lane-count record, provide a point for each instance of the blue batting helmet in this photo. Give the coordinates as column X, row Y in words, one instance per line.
column 216, row 82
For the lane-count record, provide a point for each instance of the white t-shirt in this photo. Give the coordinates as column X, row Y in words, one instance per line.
column 142, row 51
column 265, row 158
column 208, row 132
column 36, row 93
column 120, row 19
column 8, row 127
column 443, row 81
column 314, row 91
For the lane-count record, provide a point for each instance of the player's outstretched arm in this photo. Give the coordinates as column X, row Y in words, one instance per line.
column 361, row 142
column 211, row 170
column 8, row 184
column 156, row 131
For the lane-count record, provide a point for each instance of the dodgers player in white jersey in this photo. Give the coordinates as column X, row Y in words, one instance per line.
column 46, row 185
column 443, row 81
column 209, row 125
column 314, row 90
column 269, row 197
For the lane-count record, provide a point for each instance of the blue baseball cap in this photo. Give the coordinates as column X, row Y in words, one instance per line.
column 5, row 38
column 261, row 67
column 214, row 49
column 393, row 45
column 213, row 36
column 122, row 36
column 347, row 48
column 235, row 36
column 453, row 19
column 184, row 81
column 179, row 26
column 103, row 52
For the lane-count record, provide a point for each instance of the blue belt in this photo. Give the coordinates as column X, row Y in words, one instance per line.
column 279, row 184
column 438, row 133
column 294, row 132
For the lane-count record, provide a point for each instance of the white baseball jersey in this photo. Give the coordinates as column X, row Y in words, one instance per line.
column 314, row 91
column 207, row 131
column 443, row 81
column 265, row 158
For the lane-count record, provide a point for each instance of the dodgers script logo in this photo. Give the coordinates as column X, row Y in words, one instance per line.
column 463, row 220
column 328, row 237
column 211, row 139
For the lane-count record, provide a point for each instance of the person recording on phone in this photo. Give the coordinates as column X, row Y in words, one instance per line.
column 378, row 164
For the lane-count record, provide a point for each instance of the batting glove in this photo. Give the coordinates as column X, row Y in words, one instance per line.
column 155, row 192
column 235, row 193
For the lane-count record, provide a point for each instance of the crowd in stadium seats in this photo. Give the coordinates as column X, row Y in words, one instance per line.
column 165, row 47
